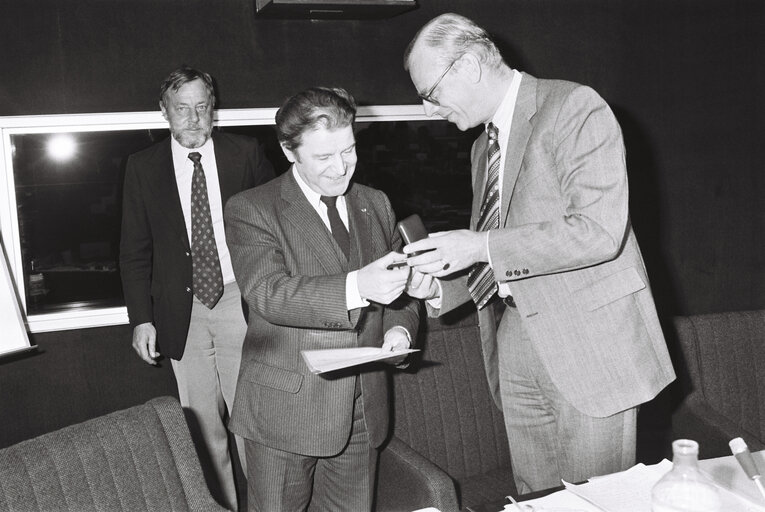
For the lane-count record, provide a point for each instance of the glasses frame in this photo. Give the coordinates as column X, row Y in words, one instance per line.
column 428, row 96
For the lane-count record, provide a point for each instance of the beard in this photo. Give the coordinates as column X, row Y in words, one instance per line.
column 192, row 138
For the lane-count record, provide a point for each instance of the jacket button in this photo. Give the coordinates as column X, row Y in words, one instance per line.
column 525, row 271
column 188, row 289
column 188, row 253
column 517, row 272
column 508, row 273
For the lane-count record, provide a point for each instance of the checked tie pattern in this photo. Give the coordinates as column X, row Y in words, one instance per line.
column 339, row 231
column 207, row 278
column 481, row 281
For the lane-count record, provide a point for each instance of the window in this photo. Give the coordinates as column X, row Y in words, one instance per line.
column 62, row 184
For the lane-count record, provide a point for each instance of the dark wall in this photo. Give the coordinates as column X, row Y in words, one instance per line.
column 685, row 79
column 73, row 376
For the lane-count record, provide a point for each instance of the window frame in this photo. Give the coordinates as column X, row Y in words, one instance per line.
column 116, row 121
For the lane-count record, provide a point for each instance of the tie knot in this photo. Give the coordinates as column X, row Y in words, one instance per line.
column 195, row 157
column 493, row 132
column 329, row 200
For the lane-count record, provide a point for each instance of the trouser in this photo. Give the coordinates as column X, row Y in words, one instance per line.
column 290, row 482
column 549, row 438
column 206, row 377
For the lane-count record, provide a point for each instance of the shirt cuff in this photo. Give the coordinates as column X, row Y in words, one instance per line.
column 435, row 302
column 353, row 298
column 488, row 254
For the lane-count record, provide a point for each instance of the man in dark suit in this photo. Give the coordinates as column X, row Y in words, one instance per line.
column 550, row 251
column 310, row 250
column 179, row 286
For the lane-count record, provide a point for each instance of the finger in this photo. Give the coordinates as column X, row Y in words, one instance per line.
column 424, row 258
column 144, row 354
column 416, row 279
column 153, row 348
column 433, row 269
column 425, row 244
column 392, row 257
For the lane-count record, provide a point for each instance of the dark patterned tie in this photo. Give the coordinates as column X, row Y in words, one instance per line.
column 481, row 281
column 206, row 274
column 339, row 231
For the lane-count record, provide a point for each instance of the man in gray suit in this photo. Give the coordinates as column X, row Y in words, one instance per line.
column 310, row 251
column 550, row 250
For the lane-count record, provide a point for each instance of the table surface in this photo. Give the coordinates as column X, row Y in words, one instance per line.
column 724, row 470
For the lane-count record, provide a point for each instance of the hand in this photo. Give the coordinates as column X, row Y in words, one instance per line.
column 422, row 286
column 448, row 252
column 396, row 338
column 145, row 342
column 378, row 284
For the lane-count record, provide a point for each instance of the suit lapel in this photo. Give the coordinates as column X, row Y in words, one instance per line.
column 304, row 218
column 358, row 218
column 525, row 108
column 229, row 165
column 165, row 187
column 479, row 178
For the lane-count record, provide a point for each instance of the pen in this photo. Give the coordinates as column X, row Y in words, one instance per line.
column 744, row 457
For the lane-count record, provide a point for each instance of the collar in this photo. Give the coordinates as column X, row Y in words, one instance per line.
column 313, row 197
column 181, row 154
column 503, row 117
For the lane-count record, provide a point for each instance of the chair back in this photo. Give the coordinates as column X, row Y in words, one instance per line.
column 137, row 459
column 442, row 406
column 725, row 357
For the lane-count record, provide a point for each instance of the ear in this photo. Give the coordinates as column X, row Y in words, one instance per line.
column 164, row 111
column 470, row 67
column 291, row 156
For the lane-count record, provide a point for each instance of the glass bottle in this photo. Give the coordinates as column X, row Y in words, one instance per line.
column 685, row 488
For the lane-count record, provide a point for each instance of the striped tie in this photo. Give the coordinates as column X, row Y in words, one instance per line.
column 481, row 281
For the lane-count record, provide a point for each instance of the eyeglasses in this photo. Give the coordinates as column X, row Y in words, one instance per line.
column 428, row 96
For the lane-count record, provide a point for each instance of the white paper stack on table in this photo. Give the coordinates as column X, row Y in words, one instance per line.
column 327, row 360
column 630, row 491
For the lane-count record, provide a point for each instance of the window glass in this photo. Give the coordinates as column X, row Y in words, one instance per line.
column 69, row 192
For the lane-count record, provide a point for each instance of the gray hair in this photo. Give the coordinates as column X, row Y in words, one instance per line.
column 453, row 36
column 183, row 75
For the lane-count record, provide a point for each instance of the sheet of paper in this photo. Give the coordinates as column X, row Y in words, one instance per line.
column 327, row 360
column 561, row 501
column 727, row 473
column 628, row 491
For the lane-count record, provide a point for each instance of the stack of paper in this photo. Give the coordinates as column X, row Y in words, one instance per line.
column 630, row 491
column 327, row 360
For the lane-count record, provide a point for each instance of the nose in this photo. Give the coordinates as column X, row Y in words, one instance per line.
column 430, row 108
column 338, row 165
column 194, row 115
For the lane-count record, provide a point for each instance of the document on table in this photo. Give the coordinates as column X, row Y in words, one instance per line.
column 630, row 491
column 327, row 360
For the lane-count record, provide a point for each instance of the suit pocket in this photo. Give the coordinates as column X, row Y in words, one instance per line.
column 610, row 289
column 273, row 377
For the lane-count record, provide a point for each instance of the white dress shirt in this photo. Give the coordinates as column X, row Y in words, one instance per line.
column 503, row 120
column 184, row 172
column 353, row 299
